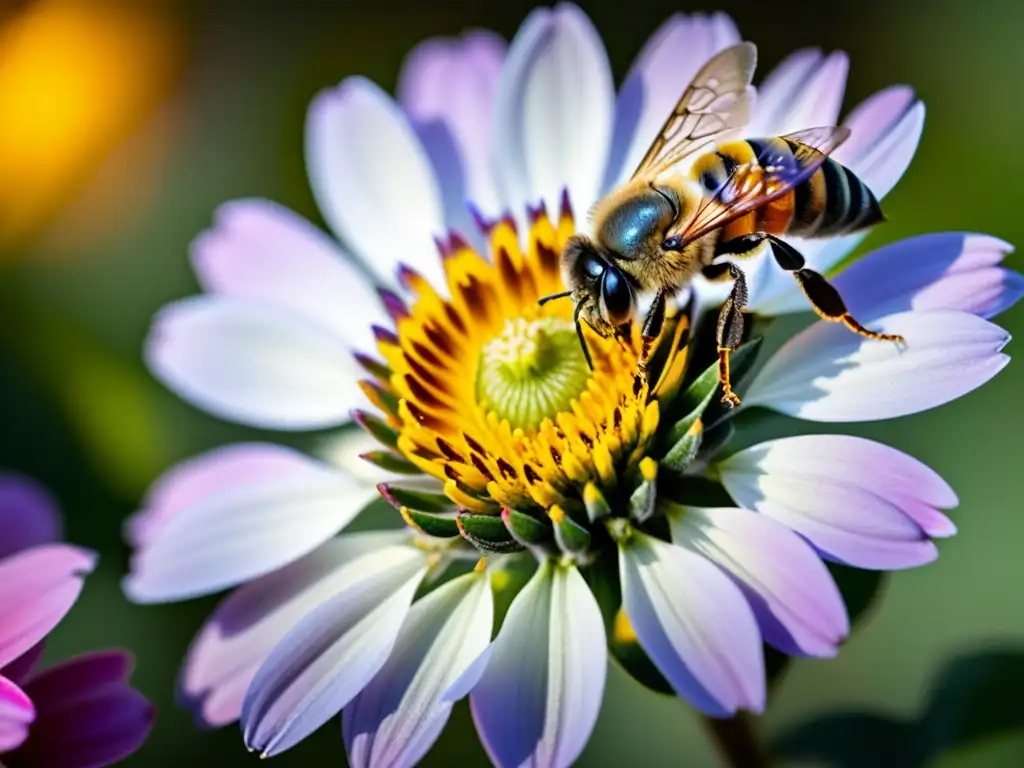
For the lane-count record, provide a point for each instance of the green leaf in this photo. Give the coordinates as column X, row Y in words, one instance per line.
column 852, row 740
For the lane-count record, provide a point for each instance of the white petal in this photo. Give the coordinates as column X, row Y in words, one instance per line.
column 796, row 603
column 541, row 692
column 373, row 180
column 658, row 77
column 804, row 91
column 329, row 656
column 238, row 635
column 447, row 86
column 244, row 531
column 397, row 717
column 260, row 250
column 857, row 501
column 828, row 373
column 694, row 624
column 553, row 118
column 250, row 362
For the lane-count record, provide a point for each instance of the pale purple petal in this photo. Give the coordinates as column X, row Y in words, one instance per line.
column 540, row 694
column 261, row 250
column 805, row 91
column 207, row 474
column 694, row 624
column 28, row 514
column 857, row 501
column 89, row 716
column 872, row 120
column 554, row 111
column 238, row 636
column 16, row 714
column 948, row 270
column 658, row 77
column 828, row 373
column 38, row 586
column 373, row 180
column 254, row 363
column 395, row 719
column 447, row 86
column 243, row 531
column 329, row 656
column 796, row 603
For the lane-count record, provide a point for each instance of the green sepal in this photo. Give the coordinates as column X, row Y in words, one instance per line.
column 374, row 367
column 439, row 526
column 595, row 502
column 377, row 428
column 527, row 529
column 682, row 454
column 572, row 538
column 388, row 399
column 421, row 500
column 643, row 501
column 391, row 462
column 487, row 533
column 602, row 576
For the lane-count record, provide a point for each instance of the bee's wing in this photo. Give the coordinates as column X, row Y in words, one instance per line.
column 718, row 99
column 752, row 185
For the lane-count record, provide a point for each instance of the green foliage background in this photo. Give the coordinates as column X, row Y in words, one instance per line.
column 80, row 413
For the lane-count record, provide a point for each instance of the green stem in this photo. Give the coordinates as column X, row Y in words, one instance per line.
column 737, row 741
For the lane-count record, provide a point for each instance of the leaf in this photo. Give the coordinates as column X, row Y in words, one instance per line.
column 853, row 740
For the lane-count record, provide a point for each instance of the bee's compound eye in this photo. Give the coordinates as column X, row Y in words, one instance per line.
column 592, row 267
column 617, row 297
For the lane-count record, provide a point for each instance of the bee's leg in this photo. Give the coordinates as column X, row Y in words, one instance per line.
column 730, row 323
column 821, row 293
column 652, row 330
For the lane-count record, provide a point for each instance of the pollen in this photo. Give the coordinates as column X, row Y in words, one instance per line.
column 489, row 392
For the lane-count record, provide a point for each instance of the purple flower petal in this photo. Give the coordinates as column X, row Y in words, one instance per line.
column 261, row 250
column 397, row 717
column 857, row 501
column 358, row 143
column 204, row 475
column 828, row 373
column 330, row 655
column 19, row 670
column 804, row 91
column 949, row 270
column 251, row 362
column 37, row 587
column 660, row 74
column 796, row 603
column 28, row 515
column 554, row 111
column 238, row 636
column 538, row 699
column 89, row 716
column 16, row 714
column 241, row 531
column 694, row 624
column 447, row 87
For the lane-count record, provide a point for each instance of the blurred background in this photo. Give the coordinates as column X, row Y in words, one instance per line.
column 124, row 124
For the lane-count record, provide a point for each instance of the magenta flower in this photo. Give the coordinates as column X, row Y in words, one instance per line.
column 488, row 432
column 81, row 713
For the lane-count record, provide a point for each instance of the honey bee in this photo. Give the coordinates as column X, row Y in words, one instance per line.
column 661, row 228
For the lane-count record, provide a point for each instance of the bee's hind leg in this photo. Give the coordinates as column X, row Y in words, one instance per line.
column 730, row 323
column 653, row 323
column 821, row 293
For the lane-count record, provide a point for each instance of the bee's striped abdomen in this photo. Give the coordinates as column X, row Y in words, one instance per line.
column 833, row 201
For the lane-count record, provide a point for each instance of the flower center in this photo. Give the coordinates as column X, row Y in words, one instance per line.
column 533, row 370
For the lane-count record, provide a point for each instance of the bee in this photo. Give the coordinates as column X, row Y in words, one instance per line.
column 662, row 227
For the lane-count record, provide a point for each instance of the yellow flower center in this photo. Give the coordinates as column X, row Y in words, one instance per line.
column 532, row 371
column 490, row 393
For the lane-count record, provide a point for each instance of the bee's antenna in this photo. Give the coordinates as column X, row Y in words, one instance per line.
column 579, row 332
column 562, row 295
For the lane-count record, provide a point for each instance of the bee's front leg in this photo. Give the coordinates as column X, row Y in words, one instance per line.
column 653, row 324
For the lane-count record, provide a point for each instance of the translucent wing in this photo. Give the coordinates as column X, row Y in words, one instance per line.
column 718, row 99
column 752, row 185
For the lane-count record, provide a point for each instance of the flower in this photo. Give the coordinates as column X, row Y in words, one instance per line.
column 82, row 712
column 604, row 505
